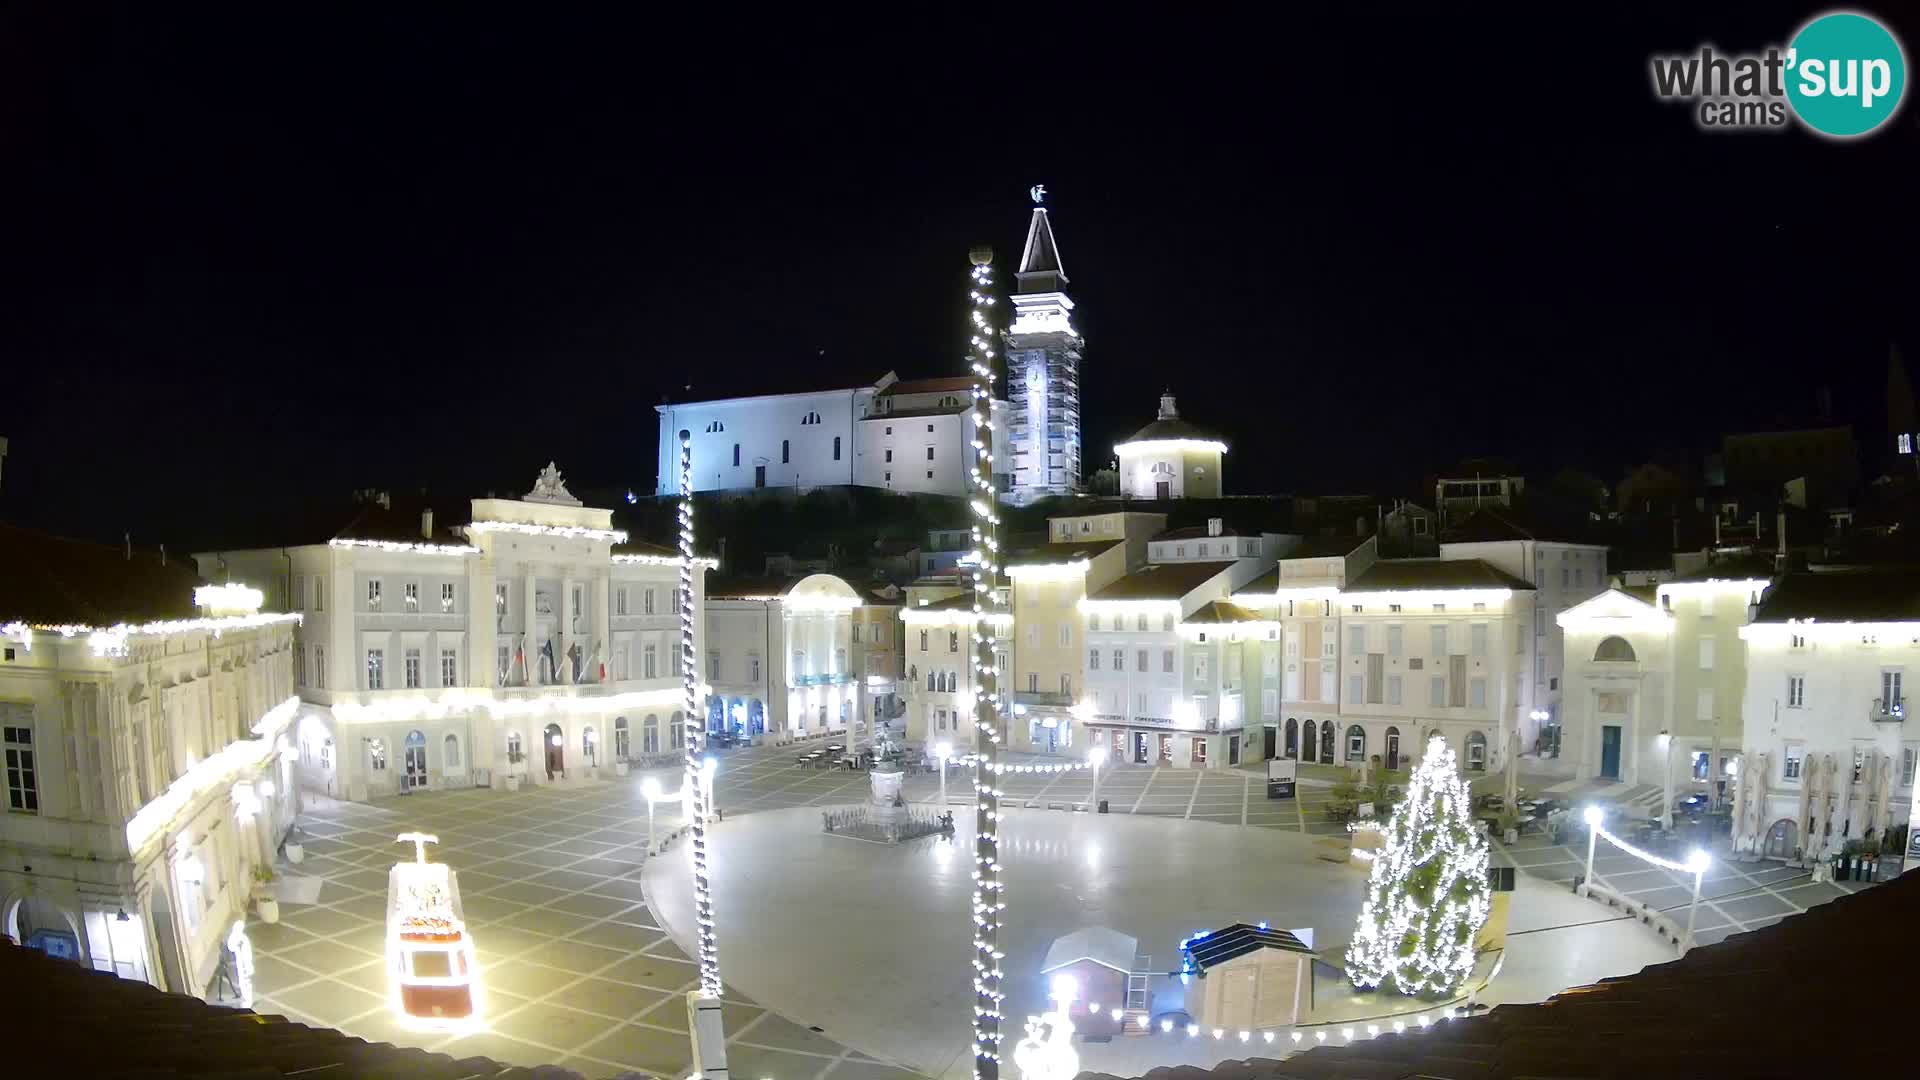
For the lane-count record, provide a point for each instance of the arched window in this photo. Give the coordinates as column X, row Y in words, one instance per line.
column 650, row 734
column 450, row 753
column 1162, row 468
column 1293, row 738
column 836, row 448
column 1356, row 743
column 1309, row 746
column 377, row 755
column 716, row 426
column 676, row 732
column 1140, row 622
column 1093, row 623
column 619, row 738
column 1614, row 649
column 514, row 752
column 786, row 451
column 1477, row 752
column 1166, row 624
column 589, row 744
column 1326, row 741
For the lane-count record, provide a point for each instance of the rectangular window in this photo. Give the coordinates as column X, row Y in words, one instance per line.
column 1438, row 646
column 1566, row 577
column 1119, row 660
column 1796, row 691
column 1437, row 697
column 412, row 668
column 1356, row 689
column 1269, row 703
column 1066, row 686
column 449, row 668
column 889, row 456
column 650, row 661
column 929, row 453
column 23, row 773
column 503, row 662
column 647, row 600
column 1033, row 682
column 376, row 669
column 753, row 667
column 1908, row 754
column 1706, row 654
column 500, row 600
column 1478, row 637
column 319, row 592
column 1093, row 659
column 856, row 633
column 373, row 594
column 1393, row 689
column 446, row 596
column 319, row 667
column 1200, row 666
column 620, row 600
column 300, row 592
column 1477, row 693
column 1066, row 635
column 1539, row 622
column 1393, row 641
column 1140, row 661
column 1890, row 688
column 1791, row 756
column 713, row 667
column 786, row 452
column 836, row 448
column 736, row 455
column 1199, row 750
column 1356, row 640
column 1457, row 681
column 923, row 641
column 1796, row 641
column 1703, row 704
column 1166, row 661
column 953, row 641
column 410, row 595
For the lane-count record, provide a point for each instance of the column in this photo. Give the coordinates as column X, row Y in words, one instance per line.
column 482, row 667
column 602, row 651
column 563, row 650
column 529, row 624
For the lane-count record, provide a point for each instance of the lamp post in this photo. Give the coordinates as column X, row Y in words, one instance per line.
column 650, row 790
column 704, row 1022
column 1096, row 757
column 941, row 752
column 1697, row 861
column 1593, row 815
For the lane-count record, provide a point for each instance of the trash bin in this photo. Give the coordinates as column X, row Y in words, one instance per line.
column 1103, row 806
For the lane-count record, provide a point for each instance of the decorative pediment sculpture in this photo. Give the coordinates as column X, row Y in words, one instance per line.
column 549, row 487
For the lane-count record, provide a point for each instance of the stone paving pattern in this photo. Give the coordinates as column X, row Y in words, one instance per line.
column 578, row 972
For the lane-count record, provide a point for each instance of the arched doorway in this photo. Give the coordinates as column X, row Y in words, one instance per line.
column 1393, row 748
column 414, row 757
column 555, row 743
column 1781, row 839
column 756, row 717
column 590, row 746
column 1293, row 737
column 1326, row 742
column 1356, row 743
column 650, row 734
column 677, row 731
column 620, row 736
column 716, row 714
column 1309, row 745
column 1477, row 752
column 35, row 922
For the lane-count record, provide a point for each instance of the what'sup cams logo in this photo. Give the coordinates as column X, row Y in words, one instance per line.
column 1843, row 75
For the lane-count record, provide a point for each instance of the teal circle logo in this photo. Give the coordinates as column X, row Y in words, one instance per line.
column 1846, row 74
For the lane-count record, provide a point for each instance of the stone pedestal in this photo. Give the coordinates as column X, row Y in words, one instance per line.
column 885, row 780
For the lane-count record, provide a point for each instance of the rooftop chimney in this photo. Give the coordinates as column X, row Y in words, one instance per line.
column 426, row 523
column 1167, row 411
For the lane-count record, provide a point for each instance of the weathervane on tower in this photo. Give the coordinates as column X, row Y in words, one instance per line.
column 1039, row 193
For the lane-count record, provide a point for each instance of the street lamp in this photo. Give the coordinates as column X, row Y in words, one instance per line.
column 1096, row 757
column 941, row 752
column 650, row 790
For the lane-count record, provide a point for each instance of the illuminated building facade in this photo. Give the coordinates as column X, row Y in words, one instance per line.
column 147, row 729
column 1171, row 459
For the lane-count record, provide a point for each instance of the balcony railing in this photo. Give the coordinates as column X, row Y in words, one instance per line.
column 1888, row 712
column 836, row 679
column 1050, row 698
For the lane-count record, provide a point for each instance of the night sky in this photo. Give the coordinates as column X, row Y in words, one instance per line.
column 265, row 255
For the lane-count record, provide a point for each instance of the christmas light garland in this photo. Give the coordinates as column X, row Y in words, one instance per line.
column 404, row 547
column 988, row 897
column 571, row 532
column 696, row 781
column 1427, row 892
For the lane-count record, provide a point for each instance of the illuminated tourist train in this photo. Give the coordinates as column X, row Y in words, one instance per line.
column 430, row 956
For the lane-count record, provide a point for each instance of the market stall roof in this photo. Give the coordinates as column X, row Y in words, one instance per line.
column 1233, row 942
column 1101, row 944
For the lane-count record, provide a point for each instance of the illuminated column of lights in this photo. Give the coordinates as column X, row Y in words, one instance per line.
column 989, row 900
column 696, row 743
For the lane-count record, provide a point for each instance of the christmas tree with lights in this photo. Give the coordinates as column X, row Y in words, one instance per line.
column 1428, row 894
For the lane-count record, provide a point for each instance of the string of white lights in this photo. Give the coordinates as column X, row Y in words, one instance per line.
column 405, row 547
column 112, row 640
column 572, row 532
column 709, row 953
column 988, row 899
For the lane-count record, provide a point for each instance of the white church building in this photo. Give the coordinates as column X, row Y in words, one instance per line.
column 910, row 437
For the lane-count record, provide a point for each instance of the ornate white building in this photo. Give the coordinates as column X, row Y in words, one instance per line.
column 533, row 643
column 780, row 658
column 148, row 745
column 913, row 437
column 1043, row 370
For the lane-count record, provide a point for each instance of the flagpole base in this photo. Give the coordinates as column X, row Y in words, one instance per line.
column 709, row 1036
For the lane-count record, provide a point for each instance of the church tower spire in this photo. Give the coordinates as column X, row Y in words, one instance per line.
column 1043, row 368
